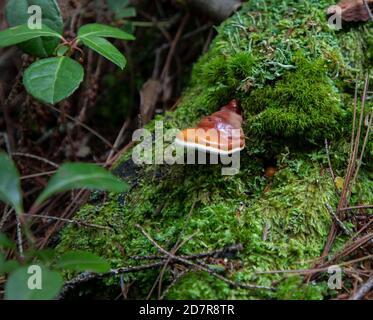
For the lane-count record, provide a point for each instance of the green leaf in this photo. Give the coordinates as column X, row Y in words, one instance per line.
column 114, row 5
column 22, row 33
column 54, row 79
column 8, row 266
column 82, row 175
column 5, row 242
column 46, row 256
column 126, row 13
column 16, row 14
column 106, row 49
column 62, row 50
column 82, row 261
column 17, row 286
column 101, row 30
column 121, row 8
column 10, row 189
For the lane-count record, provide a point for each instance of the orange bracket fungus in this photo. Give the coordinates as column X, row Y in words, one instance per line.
column 220, row 133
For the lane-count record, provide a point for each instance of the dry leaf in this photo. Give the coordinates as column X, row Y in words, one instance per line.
column 149, row 95
column 339, row 182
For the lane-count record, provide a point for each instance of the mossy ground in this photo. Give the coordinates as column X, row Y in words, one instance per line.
column 295, row 79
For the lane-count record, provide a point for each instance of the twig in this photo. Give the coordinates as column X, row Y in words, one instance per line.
column 71, row 208
column 364, row 290
column 352, row 164
column 330, row 164
column 65, row 124
column 6, row 105
column 175, row 41
column 175, row 248
column 5, row 216
column 199, row 267
column 19, row 237
column 364, row 146
column 118, row 139
column 41, row 174
column 337, row 220
column 343, row 202
column 354, row 115
column 77, row 222
column 174, row 281
column 370, row 206
column 104, row 140
column 315, row 270
column 368, row 9
column 87, row 276
column 27, row 155
column 226, row 252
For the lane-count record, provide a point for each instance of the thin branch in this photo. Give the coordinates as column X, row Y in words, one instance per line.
column 118, row 139
column 315, row 270
column 77, row 222
column 199, row 267
column 104, row 140
column 226, row 252
column 364, row 290
column 369, row 206
column 337, row 220
column 19, row 237
column 368, row 9
column 31, row 156
column 330, row 166
column 36, row 175
column 174, row 281
column 364, row 146
column 5, row 216
column 87, row 276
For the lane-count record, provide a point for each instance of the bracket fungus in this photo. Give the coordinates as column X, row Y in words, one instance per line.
column 353, row 10
column 220, row 133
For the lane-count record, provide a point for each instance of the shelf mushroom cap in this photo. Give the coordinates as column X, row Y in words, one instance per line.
column 220, row 133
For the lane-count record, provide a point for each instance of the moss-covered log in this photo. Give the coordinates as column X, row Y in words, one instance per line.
column 295, row 79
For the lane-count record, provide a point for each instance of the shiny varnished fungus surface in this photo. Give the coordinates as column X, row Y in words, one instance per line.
column 219, row 133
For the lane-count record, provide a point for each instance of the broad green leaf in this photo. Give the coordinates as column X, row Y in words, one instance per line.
column 23, row 284
column 46, row 256
column 82, row 261
column 8, row 266
column 54, row 79
column 114, row 5
column 5, row 242
column 121, row 8
column 62, row 50
column 101, row 30
column 17, row 14
column 82, row 176
column 126, row 13
column 106, row 49
column 21, row 33
column 10, row 189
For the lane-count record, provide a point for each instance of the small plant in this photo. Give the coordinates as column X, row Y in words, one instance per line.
column 37, row 273
column 56, row 75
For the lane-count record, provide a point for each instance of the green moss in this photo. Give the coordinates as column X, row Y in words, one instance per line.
column 295, row 78
column 303, row 103
column 294, row 289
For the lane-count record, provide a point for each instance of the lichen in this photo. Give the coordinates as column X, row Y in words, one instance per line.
column 295, row 79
